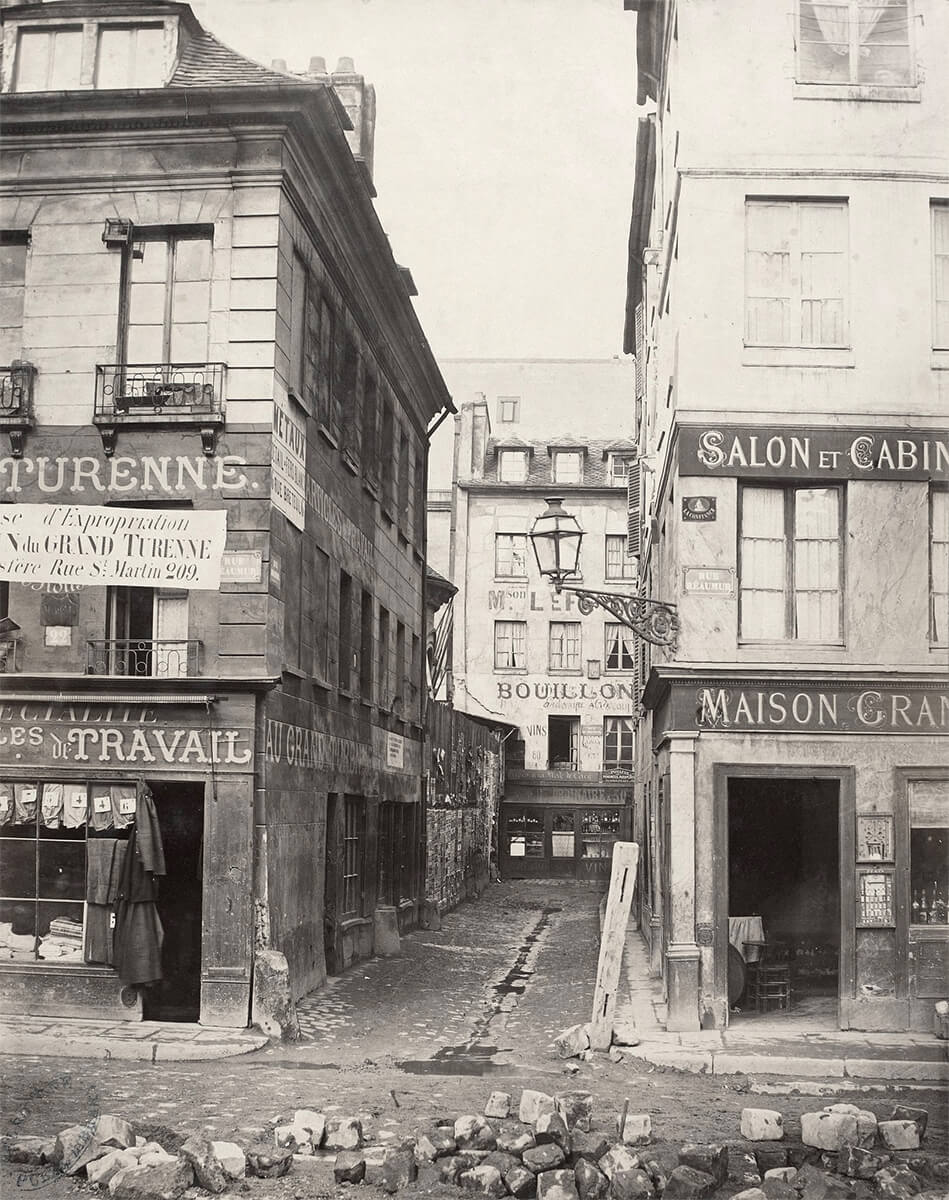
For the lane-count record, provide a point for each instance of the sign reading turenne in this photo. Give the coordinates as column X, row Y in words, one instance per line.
column 796, row 452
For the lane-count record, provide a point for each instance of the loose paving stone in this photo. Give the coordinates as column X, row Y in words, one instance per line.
column 101, row 1170
column 592, row 1184
column 557, row 1185
column 777, row 1189
column 829, row 1130
column 899, row 1135
column 515, row 1138
column 269, row 1164
column 903, row 1112
column 428, row 1179
column 743, row 1168
column 858, row 1163
column 343, row 1134
column 769, row 1155
column 543, row 1158
column 231, row 1157
column 591, row 1146
column 752, row 1193
column 166, row 1182
column 686, row 1183
column 397, row 1170
column 898, row 1183
column 656, row 1173
column 625, row 1034
column 485, row 1180
column 523, row 1183
column 350, row 1167
column 154, row 1158
column 473, row 1132
column 631, row 1185
column 32, row 1151
column 502, row 1160
column 551, row 1127
column 618, row 1158
column 453, row 1167
column 866, row 1122
column 711, row 1158
column 762, row 1124
column 533, row 1104
column 637, row 1129
column 498, row 1105
column 576, row 1108
column 785, row 1173
column 208, row 1170
column 434, row 1143
column 573, row 1041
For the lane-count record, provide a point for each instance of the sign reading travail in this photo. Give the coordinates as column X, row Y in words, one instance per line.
column 89, row 544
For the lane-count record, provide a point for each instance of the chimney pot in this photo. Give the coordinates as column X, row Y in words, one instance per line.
column 278, row 64
column 317, row 65
column 345, row 66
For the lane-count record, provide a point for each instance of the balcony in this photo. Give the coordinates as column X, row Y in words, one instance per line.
column 143, row 658
column 160, row 394
column 16, row 402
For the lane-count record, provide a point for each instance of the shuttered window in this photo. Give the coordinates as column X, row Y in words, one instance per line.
column 941, row 276
column 795, row 273
column 939, row 566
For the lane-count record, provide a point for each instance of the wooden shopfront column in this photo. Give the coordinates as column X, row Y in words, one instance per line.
column 682, row 952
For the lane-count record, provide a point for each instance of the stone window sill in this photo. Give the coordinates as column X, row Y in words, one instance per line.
column 797, row 356
column 940, row 360
column 857, row 91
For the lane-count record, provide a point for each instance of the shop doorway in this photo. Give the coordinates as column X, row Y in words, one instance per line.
column 180, row 808
column 784, row 904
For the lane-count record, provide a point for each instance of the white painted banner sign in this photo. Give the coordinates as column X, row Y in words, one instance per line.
column 288, row 462
column 89, row 544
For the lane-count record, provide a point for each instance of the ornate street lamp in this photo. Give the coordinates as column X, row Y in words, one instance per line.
column 556, row 536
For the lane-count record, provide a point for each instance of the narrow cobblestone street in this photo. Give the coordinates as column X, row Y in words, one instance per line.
column 461, row 1011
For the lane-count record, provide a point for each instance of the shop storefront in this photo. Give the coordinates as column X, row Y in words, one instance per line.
column 802, row 823
column 83, row 775
column 560, row 826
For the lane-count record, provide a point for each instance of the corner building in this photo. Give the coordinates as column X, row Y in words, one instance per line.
column 788, row 310
column 526, row 656
column 205, row 337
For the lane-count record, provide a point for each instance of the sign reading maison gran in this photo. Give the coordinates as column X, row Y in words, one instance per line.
column 849, row 708
column 796, row 452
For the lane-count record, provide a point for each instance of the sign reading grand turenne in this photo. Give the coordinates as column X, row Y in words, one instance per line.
column 795, row 452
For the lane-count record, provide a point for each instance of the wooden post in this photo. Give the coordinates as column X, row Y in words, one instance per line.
column 619, row 900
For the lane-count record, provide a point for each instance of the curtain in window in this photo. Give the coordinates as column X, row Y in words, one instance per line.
column 823, row 273
column 834, row 22
column 763, row 564
column 768, row 274
column 170, row 660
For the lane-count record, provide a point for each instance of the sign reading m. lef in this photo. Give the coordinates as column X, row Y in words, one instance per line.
column 90, row 544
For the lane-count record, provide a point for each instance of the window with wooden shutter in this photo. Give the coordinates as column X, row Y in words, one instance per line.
column 640, row 351
column 941, row 276
column 326, row 371
column 633, row 510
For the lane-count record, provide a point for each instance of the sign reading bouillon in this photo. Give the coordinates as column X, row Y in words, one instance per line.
column 796, row 452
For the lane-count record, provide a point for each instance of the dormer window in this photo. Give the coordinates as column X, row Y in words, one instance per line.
column 48, row 60
column 512, row 466
column 509, row 409
column 619, row 463
column 568, row 466
column 130, row 56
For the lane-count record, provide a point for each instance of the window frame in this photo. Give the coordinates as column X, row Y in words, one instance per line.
column 511, row 453
column 512, row 402
column 626, row 459
column 555, row 460
column 629, row 562
column 499, row 563
column 570, row 635
column 788, row 490
column 626, row 646
column 939, row 210
column 938, row 493
column 133, row 28
column 50, row 30
column 795, row 297
column 853, row 83
column 352, row 857
column 619, row 762
column 518, row 634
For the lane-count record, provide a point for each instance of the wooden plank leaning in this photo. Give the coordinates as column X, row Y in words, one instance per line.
column 612, row 940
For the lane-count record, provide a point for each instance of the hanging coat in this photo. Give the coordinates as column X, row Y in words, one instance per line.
column 138, row 932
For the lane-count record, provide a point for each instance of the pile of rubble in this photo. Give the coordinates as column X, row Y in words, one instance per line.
column 546, row 1147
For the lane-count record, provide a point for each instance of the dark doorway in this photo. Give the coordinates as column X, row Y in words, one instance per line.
column 784, row 867
column 177, row 997
column 563, row 743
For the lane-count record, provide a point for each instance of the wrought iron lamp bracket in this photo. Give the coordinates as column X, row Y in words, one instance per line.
column 652, row 620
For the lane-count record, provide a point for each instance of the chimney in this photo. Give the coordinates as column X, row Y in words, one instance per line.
column 473, row 431
column 359, row 100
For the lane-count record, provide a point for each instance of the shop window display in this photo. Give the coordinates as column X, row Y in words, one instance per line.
column 62, row 847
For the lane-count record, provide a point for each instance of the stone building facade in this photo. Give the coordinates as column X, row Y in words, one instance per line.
column 788, row 312
column 215, row 398
column 526, row 656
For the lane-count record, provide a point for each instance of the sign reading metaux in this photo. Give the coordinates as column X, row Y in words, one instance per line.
column 89, row 544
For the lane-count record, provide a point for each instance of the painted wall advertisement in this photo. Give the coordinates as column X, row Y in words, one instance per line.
column 92, row 544
column 288, row 462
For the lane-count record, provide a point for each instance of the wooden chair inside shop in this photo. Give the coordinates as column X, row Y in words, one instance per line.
column 768, row 979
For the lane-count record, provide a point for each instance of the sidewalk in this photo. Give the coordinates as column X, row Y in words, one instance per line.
column 136, row 1041
column 771, row 1045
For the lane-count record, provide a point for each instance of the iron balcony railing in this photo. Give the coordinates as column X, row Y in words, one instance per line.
column 16, row 390
column 145, row 658
column 159, row 389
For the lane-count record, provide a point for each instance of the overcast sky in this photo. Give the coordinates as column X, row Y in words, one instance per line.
column 504, row 155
